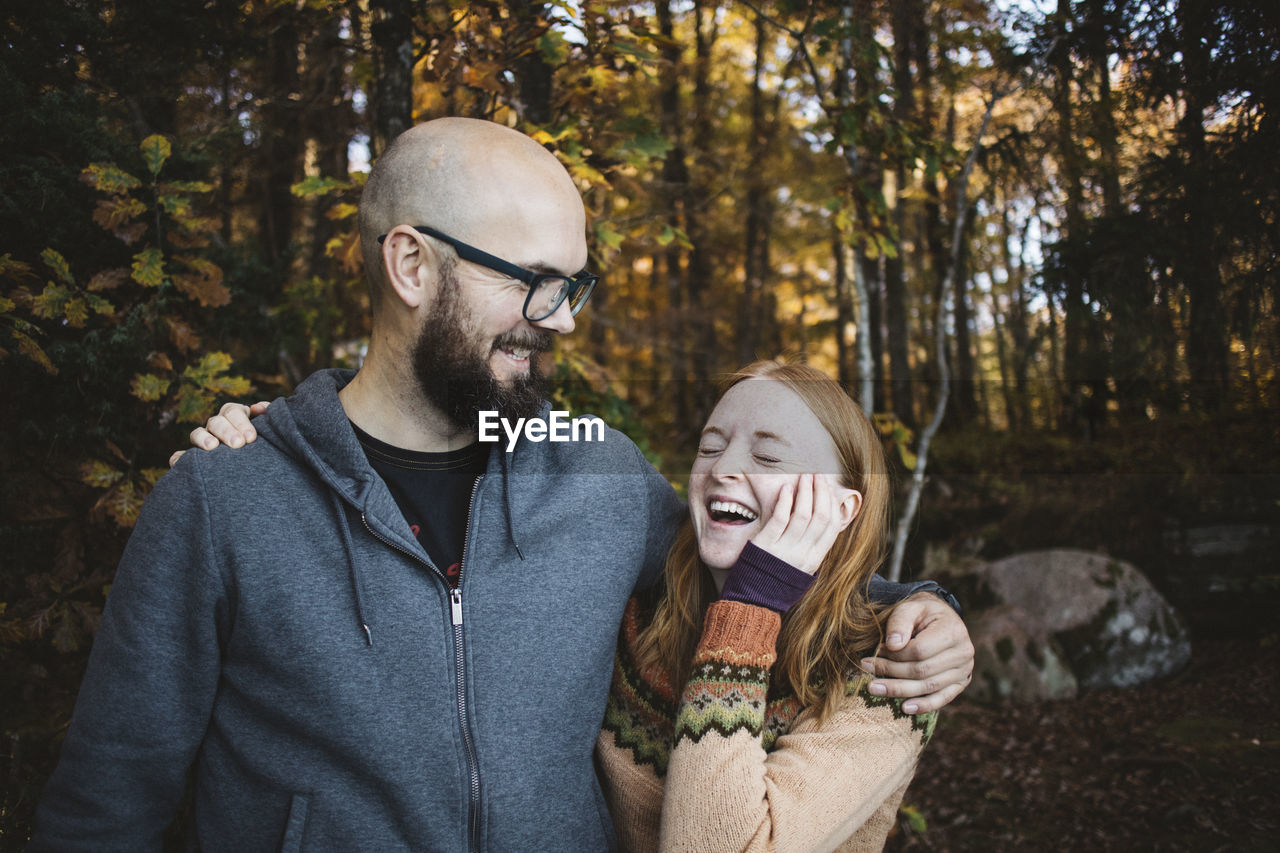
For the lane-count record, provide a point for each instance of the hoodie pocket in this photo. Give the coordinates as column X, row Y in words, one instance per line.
column 296, row 824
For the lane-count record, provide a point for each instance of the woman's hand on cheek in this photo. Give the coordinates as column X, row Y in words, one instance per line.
column 230, row 427
column 804, row 523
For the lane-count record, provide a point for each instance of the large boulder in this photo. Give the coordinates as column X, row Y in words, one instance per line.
column 1015, row 658
column 1113, row 628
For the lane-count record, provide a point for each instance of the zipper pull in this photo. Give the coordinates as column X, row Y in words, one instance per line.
column 455, row 601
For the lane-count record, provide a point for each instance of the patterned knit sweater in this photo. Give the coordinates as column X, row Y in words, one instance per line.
column 749, row 769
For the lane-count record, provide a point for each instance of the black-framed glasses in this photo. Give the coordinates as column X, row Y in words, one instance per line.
column 546, row 290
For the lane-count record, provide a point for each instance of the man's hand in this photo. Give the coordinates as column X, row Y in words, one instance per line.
column 230, row 427
column 927, row 656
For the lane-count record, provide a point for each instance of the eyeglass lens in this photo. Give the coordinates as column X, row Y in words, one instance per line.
column 550, row 293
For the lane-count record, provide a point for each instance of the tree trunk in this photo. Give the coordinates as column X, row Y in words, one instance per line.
column 393, row 58
column 534, row 77
column 1207, row 348
column 701, row 272
column 844, row 311
column 1075, row 357
column 756, row 193
column 966, row 404
column 675, row 179
column 280, row 152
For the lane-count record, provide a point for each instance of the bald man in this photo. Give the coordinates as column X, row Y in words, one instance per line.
column 368, row 630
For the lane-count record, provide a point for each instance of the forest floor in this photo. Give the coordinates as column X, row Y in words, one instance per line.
column 1191, row 762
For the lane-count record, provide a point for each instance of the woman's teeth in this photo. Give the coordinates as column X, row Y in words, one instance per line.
column 732, row 509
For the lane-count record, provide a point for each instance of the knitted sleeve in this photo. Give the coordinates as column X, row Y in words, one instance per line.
column 821, row 787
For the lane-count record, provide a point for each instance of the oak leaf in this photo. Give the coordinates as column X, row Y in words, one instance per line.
column 202, row 282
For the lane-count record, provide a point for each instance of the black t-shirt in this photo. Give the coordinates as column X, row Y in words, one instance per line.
column 434, row 493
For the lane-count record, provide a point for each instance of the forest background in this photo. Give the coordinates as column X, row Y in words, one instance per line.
column 1045, row 229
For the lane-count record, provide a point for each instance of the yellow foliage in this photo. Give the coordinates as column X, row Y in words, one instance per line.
column 76, row 311
column 9, row 268
column 58, row 264
column 117, row 210
column 148, row 267
column 123, row 504
column 109, row 178
column 99, row 474
column 149, row 387
column 28, row 347
column 155, row 151
column 202, row 282
column 108, row 279
column 51, row 302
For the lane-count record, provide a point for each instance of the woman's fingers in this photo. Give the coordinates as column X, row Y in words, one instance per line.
column 801, row 527
column 802, row 515
column 230, row 426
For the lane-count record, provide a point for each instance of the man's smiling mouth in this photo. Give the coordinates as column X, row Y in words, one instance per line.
column 517, row 353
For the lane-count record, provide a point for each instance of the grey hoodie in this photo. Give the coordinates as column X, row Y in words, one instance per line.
column 276, row 628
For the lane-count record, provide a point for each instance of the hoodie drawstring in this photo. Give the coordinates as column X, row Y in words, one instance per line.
column 349, row 546
column 506, row 499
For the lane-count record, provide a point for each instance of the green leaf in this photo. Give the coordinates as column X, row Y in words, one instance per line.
column 314, row 185
column 229, row 386
column 109, row 178
column 643, row 147
column 175, row 205
column 54, row 261
column 634, row 49
column 342, row 211
column 148, row 267
column 155, row 151
column 608, row 236
column 99, row 305
column 209, row 366
column 9, row 268
column 124, row 504
column 149, row 387
column 99, row 474
column 76, row 311
column 553, row 47
column 189, row 186
column 6, row 305
column 194, row 406
column 28, row 347
column 51, row 302
column 915, row 818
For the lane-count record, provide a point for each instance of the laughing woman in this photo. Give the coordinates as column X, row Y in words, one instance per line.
column 738, row 718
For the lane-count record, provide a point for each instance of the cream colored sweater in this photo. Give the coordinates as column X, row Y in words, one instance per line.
column 749, row 770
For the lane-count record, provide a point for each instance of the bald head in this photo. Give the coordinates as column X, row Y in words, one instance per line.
column 480, row 182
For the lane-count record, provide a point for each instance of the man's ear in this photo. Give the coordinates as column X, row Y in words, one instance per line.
column 409, row 262
column 849, row 507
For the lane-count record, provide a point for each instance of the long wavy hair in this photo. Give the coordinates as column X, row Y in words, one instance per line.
column 835, row 623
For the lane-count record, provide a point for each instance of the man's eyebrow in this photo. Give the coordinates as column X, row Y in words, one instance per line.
column 544, row 268
column 713, row 430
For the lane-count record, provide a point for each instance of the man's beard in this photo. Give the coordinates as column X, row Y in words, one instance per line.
column 454, row 373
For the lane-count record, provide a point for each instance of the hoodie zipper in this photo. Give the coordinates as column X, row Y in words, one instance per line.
column 455, row 620
column 455, row 613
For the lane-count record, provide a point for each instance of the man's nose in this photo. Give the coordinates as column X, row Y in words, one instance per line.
column 561, row 320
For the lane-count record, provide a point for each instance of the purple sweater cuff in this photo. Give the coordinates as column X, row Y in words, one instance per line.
column 762, row 579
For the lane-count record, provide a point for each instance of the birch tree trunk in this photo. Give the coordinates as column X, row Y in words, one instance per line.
column 940, row 351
